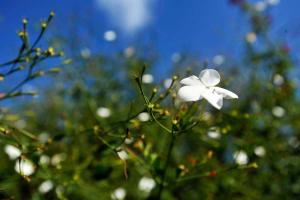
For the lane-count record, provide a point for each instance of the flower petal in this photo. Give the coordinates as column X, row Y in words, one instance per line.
column 213, row 98
column 209, row 77
column 225, row 93
column 192, row 80
column 189, row 93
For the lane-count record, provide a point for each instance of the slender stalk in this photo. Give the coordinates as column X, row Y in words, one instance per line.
column 165, row 168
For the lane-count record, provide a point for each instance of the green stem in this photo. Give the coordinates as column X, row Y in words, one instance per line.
column 165, row 168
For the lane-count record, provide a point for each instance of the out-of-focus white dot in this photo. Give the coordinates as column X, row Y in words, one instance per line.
column 240, row 157
column 146, row 184
column 260, row 6
column 12, row 151
column 118, row 194
column 110, row 36
column 123, row 155
column 251, row 37
column 176, row 57
column 24, row 167
column 218, row 59
column 147, row 78
column 85, row 53
column 273, row 2
column 103, row 112
column 260, row 151
column 129, row 140
column 144, row 116
column 278, row 111
column 46, row 186
column 43, row 137
column 44, row 160
column 214, row 133
column 129, row 52
column 278, row 80
column 58, row 158
column 206, row 116
column 167, row 83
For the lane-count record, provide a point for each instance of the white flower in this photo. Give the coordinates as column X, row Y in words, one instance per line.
column 146, row 184
column 260, row 151
column 196, row 88
column 251, row 37
column 44, row 160
column 85, row 53
column 147, row 78
column 24, row 167
column 123, row 155
column 218, row 59
column 58, row 158
column 273, row 2
column 144, row 116
column 240, row 157
column 129, row 52
column 214, row 133
column 278, row 111
column 118, row 194
column 260, row 6
column 103, row 112
column 110, row 36
column 46, row 186
column 278, row 80
column 12, row 151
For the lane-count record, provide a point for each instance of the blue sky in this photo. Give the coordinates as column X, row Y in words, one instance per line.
column 205, row 27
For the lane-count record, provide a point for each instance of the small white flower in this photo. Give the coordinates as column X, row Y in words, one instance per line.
column 278, row 80
column 273, row 2
column 21, row 124
column 167, row 83
column 260, row 6
column 147, row 78
column 44, row 160
column 240, row 157
column 46, row 186
column 251, row 37
column 144, row 116
column 214, row 133
column 118, row 194
column 129, row 140
column 278, row 111
column 146, row 184
column 44, row 137
column 129, row 52
column 24, row 167
column 110, row 36
column 85, row 53
column 123, row 155
column 218, row 59
column 12, row 151
column 195, row 89
column 103, row 112
column 58, row 158
column 260, row 151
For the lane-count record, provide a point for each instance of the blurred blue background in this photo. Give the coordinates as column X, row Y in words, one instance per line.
column 204, row 27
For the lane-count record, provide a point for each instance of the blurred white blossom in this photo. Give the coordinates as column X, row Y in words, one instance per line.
column 214, row 133
column 146, row 184
column 123, row 155
column 103, row 112
column 85, row 53
column 110, row 36
column 195, row 88
column 278, row 80
column 46, row 186
column 273, row 2
column 260, row 151
column 12, row 151
column 147, row 78
column 260, row 6
column 167, row 83
column 44, row 160
column 144, row 116
column 251, row 37
column 278, row 111
column 240, row 157
column 176, row 57
column 118, row 194
column 58, row 158
column 218, row 59
column 24, row 167
column 129, row 52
